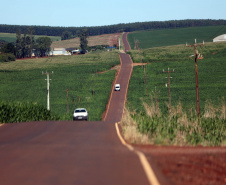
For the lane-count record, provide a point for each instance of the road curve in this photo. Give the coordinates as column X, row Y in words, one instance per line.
column 67, row 152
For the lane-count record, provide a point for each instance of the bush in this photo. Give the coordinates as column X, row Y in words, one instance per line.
column 23, row 112
column 7, row 57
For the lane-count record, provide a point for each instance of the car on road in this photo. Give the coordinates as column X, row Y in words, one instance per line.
column 117, row 87
column 80, row 114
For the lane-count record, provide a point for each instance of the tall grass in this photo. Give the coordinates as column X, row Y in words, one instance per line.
column 180, row 128
column 22, row 112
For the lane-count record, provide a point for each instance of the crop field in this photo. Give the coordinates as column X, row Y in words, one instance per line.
column 211, row 71
column 23, row 81
column 167, row 37
column 11, row 37
column 183, row 128
column 106, row 39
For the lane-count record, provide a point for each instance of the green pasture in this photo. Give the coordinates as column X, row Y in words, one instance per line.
column 11, row 37
column 211, row 71
column 168, row 37
column 23, row 81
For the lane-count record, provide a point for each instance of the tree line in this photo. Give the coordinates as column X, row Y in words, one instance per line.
column 70, row 32
column 26, row 46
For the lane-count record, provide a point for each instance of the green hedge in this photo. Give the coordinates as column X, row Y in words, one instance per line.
column 23, row 112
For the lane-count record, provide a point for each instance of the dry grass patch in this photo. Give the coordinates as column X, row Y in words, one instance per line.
column 130, row 132
column 107, row 39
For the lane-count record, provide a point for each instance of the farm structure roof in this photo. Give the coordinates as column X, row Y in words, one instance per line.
column 220, row 38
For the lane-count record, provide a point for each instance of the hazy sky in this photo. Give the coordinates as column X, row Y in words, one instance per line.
column 78, row 13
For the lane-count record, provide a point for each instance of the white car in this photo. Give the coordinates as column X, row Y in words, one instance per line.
column 117, row 87
column 80, row 114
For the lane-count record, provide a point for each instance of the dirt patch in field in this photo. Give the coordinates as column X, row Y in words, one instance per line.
column 139, row 64
column 107, row 39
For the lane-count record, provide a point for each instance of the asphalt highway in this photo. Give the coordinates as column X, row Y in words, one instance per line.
column 68, row 153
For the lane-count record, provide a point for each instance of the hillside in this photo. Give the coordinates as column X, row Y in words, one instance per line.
column 175, row 36
column 11, row 37
column 107, row 39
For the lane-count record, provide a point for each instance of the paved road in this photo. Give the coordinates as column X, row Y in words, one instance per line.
column 67, row 152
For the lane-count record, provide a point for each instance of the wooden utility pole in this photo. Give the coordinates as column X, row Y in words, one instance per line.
column 169, row 87
column 93, row 84
column 48, row 103
column 197, row 56
column 67, row 101
column 156, row 100
column 145, row 80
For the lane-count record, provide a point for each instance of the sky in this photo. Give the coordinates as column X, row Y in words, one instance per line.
column 78, row 13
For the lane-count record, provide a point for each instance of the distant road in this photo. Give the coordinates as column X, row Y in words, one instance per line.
column 68, row 153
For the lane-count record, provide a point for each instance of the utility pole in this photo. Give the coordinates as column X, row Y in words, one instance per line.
column 197, row 56
column 169, row 87
column 48, row 104
column 93, row 84
column 119, row 44
column 156, row 100
column 67, row 100
column 145, row 80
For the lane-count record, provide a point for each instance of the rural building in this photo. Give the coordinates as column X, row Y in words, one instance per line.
column 59, row 51
column 220, row 38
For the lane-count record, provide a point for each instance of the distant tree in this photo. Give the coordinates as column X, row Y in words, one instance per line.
column 19, row 52
column 30, row 41
column 25, row 43
column 42, row 47
column 83, row 41
column 66, row 35
column 8, row 48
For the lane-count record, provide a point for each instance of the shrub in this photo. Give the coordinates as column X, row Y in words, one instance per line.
column 7, row 57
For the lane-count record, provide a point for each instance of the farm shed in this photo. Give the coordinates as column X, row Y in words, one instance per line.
column 59, row 51
column 220, row 38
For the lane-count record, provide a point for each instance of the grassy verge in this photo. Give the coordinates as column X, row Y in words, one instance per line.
column 22, row 81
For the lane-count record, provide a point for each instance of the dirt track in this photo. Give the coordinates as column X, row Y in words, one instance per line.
column 67, row 152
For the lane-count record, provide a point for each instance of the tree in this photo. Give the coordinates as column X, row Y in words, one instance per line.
column 8, row 48
column 66, row 35
column 19, row 52
column 43, row 46
column 83, row 41
column 25, row 44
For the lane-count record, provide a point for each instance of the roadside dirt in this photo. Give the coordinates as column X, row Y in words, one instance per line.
column 187, row 165
column 178, row 165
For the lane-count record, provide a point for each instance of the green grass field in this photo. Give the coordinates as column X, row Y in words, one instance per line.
column 168, row 37
column 22, row 81
column 11, row 37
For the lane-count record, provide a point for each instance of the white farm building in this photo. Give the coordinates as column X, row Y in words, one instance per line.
column 59, row 51
column 220, row 38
